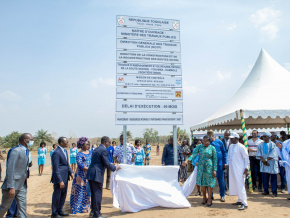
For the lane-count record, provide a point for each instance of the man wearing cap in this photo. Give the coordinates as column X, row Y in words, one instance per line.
column 269, row 163
column 238, row 165
column 274, row 138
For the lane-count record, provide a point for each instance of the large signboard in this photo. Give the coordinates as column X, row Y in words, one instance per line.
column 149, row 119
column 147, row 22
column 138, row 44
column 148, row 69
column 149, row 81
column 149, row 93
column 151, row 34
column 149, row 106
column 150, row 57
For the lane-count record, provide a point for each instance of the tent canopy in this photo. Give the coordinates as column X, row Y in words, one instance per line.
column 263, row 97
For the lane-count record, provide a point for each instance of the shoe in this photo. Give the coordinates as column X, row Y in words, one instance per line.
column 91, row 214
column 264, row 193
column 209, row 205
column 227, row 192
column 237, row 203
column 61, row 213
column 198, row 193
column 223, row 199
column 203, row 202
column 260, row 190
column 283, row 191
column 242, row 207
column 288, row 199
column 254, row 188
column 274, row 195
column 56, row 216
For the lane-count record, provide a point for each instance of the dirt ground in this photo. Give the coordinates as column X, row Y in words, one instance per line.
column 40, row 192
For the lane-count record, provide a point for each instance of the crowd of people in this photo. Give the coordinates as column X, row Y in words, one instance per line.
column 226, row 161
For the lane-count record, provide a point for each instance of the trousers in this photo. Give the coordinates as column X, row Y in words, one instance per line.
column 96, row 199
column 20, row 197
column 255, row 171
column 58, row 198
column 266, row 177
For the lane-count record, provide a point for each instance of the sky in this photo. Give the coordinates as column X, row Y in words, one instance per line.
column 57, row 59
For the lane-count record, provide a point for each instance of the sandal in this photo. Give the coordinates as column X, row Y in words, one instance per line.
column 204, row 202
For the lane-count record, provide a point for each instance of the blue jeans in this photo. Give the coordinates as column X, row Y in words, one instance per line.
column 266, row 177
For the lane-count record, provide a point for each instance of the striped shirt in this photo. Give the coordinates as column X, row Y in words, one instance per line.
column 254, row 145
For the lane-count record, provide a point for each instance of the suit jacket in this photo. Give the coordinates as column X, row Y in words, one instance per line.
column 16, row 168
column 100, row 161
column 60, row 166
column 225, row 145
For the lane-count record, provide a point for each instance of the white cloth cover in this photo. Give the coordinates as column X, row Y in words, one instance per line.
column 238, row 161
column 136, row 188
column 189, row 184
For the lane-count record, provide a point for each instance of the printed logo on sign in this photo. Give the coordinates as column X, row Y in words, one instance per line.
column 175, row 25
column 178, row 81
column 121, row 80
column 121, row 20
column 178, row 94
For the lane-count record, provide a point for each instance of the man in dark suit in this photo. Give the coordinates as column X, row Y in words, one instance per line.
column 226, row 141
column 95, row 174
column 60, row 176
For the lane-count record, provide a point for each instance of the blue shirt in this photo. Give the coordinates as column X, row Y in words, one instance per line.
column 167, row 155
column 111, row 153
column 220, row 151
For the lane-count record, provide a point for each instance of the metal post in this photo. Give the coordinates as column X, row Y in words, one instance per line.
column 125, row 144
column 175, row 144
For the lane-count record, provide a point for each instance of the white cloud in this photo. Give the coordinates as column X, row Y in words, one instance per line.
column 266, row 20
column 223, row 76
column 10, row 96
column 232, row 26
column 102, row 82
column 46, row 99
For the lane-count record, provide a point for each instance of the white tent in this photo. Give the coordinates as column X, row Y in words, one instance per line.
column 263, row 98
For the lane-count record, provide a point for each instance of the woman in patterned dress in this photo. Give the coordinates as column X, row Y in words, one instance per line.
column 140, row 154
column 80, row 198
column 41, row 157
column 207, row 167
column 73, row 156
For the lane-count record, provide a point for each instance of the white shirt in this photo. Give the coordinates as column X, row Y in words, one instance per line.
column 254, row 145
column 63, row 151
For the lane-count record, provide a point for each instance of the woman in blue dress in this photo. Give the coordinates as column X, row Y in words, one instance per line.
column 51, row 152
column 41, row 157
column 73, row 156
column 80, row 199
column 140, row 154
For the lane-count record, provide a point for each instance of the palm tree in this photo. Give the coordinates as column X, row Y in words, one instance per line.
column 42, row 136
column 129, row 135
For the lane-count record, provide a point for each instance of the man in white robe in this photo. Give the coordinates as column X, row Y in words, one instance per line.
column 283, row 152
column 238, row 165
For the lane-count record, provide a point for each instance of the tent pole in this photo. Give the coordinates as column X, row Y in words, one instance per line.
column 246, row 145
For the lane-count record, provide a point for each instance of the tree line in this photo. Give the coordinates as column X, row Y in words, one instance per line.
column 41, row 135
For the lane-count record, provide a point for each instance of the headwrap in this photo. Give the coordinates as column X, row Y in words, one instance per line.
column 234, row 135
column 267, row 134
column 82, row 141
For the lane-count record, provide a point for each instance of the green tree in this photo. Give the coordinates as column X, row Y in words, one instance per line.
column 129, row 135
column 182, row 134
column 11, row 140
column 42, row 136
column 151, row 135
